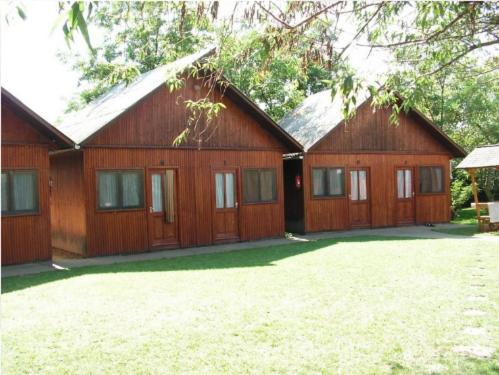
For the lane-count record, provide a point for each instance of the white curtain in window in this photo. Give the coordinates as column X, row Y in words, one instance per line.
column 131, row 189
column 157, row 196
column 362, row 185
column 24, row 191
column 408, row 183
column 5, row 189
column 436, row 180
column 335, row 181
column 170, row 195
column 108, row 190
column 219, row 190
column 229, row 190
column 354, row 186
column 400, row 184
column 318, row 179
column 267, row 185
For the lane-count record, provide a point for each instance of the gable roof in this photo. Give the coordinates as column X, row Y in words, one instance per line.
column 481, row 157
column 39, row 123
column 318, row 115
column 82, row 125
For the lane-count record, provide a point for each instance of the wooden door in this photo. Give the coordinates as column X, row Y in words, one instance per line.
column 359, row 198
column 225, row 206
column 405, row 206
column 162, row 220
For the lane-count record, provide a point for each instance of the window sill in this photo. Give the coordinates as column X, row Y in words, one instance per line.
column 327, row 197
column 118, row 210
column 7, row 215
column 259, row 203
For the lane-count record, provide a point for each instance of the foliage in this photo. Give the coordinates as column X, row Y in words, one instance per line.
column 461, row 193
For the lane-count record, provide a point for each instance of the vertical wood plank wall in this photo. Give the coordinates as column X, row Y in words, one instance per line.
column 322, row 214
column 67, row 202
column 126, row 231
column 26, row 238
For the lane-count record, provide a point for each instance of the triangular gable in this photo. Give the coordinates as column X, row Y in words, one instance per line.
column 38, row 124
column 84, row 125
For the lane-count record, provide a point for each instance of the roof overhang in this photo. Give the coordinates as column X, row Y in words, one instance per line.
column 36, row 120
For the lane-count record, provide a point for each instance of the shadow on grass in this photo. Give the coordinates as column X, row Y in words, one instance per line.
column 257, row 257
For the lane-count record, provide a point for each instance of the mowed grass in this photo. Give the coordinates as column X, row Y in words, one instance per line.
column 365, row 305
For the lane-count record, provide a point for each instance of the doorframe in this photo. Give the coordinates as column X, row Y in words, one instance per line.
column 369, row 190
column 413, row 169
column 226, row 168
column 148, row 197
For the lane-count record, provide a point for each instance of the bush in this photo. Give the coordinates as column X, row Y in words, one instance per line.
column 460, row 194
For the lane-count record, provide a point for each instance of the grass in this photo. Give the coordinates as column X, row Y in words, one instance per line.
column 469, row 227
column 365, row 305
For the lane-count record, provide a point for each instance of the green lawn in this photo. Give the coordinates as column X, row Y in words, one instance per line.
column 365, row 305
column 469, row 227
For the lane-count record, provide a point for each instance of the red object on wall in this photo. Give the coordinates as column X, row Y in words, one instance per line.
column 298, row 181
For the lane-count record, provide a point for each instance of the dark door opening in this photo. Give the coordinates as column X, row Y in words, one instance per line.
column 294, row 212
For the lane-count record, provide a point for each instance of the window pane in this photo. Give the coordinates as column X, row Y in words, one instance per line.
column 354, row 186
column 5, row 194
column 267, row 185
column 170, row 195
column 250, row 186
column 431, row 179
column 157, row 194
column 108, row 189
column 318, row 181
column 132, row 189
column 229, row 190
column 408, row 183
column 362, row 185
column 336, row 181
column 400, row 183
column 24, row 194
column 436, row 180
column 219, row 190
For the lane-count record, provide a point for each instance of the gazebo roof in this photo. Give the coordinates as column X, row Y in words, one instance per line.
column 481, row 157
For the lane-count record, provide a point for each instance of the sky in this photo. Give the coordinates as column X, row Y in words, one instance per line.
column 29, row 66
column 31, row 70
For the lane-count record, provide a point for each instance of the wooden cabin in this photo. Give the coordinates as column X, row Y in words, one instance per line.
column 365, row 173
column 26, row 142
column 126, row 189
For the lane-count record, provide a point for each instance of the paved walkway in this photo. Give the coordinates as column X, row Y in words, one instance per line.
column 60, row 263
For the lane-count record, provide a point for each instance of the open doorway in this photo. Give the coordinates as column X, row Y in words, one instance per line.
column 293, row 194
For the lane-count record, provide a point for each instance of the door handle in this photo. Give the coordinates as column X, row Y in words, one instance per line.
column 237, row 204
column 151, row 209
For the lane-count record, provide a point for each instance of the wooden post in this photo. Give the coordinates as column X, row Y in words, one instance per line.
column 472, row 173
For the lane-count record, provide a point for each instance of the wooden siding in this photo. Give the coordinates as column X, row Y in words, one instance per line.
column 16, row 130
column 159, row 118
column 67, row 202
column 26, row 238
column 322, row 214
column 369, row 131
column 126, row 231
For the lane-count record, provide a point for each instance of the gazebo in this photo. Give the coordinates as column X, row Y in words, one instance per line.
column 483, row 157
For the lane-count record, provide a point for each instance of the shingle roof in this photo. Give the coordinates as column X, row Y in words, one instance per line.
column 82, row 124
column 36, row 120
column 481, row 157
column 315, row 117
column 318, row 115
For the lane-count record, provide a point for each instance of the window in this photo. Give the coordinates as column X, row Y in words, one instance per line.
column 120, row 190
column 328, row 182
column 19, row 192
column 163, row 188
column 358, row 185
column 431, row 180
column 259, row 185
column 404, row 183
column 224, row 190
